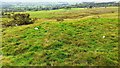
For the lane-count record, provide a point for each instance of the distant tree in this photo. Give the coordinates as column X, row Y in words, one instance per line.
column 90, row 6
column 2, row 13
column 67, row 7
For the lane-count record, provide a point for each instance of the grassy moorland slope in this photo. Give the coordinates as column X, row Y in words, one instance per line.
column 81, row 39
column 70, row 13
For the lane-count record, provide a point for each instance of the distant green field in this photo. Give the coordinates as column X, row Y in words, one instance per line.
column 77, row 41
column 71, row 13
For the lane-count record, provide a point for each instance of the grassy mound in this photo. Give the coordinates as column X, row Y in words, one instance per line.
column 67, row 43
column 75, row 41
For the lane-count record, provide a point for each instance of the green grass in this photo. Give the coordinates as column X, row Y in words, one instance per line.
column 71, row 13
column 69, row 43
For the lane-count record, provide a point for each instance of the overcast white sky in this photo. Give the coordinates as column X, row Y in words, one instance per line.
column 57, row 0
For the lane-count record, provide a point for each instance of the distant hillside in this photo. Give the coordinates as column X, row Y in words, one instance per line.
column 38, row 6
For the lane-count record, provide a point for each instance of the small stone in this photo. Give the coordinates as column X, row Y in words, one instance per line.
column 103, row 36
column 36, row 28
column 16, row 24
